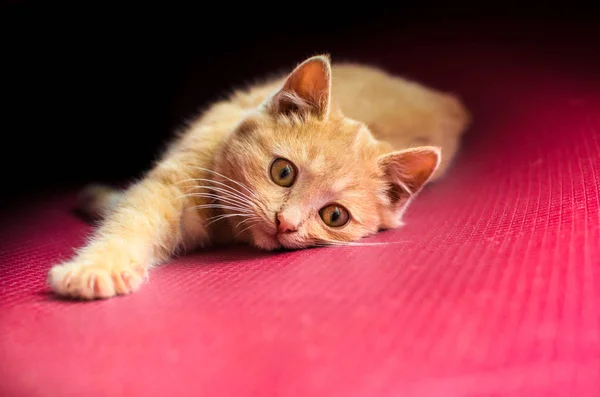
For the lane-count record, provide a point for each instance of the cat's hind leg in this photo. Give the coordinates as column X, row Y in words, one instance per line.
column 96, row 201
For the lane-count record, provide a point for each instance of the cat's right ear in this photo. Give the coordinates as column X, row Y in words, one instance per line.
column 307, row 90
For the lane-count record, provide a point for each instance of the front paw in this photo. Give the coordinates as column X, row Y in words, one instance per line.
column 97, row 279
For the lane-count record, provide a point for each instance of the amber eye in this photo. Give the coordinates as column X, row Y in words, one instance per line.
column 283, row 172
column 334, row 215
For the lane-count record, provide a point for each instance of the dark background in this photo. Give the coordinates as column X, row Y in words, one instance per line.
column 93, row 93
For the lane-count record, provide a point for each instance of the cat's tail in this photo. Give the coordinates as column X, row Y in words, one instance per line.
column 95, row 201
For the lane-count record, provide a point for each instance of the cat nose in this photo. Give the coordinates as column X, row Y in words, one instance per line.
column 287, row 222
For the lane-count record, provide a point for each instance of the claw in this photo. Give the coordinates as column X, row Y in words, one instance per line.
column 67, row 280
column 142, row 271
column 126, row 279
column 92, row 282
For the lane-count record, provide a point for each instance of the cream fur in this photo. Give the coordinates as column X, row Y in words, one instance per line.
column 357, row 136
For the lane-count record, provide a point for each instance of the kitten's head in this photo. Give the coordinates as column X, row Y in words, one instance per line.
column 316, row 176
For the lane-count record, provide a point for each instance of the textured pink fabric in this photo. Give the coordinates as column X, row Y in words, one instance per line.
column 492, row 288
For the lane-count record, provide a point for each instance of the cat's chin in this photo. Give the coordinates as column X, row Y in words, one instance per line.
column 270, row 242
column 265, row 241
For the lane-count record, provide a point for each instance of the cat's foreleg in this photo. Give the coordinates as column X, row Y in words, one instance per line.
column 150, row 222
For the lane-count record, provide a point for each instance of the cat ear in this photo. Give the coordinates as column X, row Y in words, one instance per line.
column 407, row 171
column 306, row 90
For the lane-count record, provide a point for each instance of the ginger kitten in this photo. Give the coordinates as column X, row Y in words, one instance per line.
column 326, row 155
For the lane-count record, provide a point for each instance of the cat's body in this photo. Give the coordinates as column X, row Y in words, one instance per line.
column 280, row 164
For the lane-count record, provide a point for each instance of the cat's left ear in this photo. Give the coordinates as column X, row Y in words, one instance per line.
column 307, row 90
column 407, row 171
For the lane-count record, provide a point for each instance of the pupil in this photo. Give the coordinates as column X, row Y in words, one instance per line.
column 285, row 172
column 335, row 215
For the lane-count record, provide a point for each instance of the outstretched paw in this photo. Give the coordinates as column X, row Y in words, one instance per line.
column 95, row 280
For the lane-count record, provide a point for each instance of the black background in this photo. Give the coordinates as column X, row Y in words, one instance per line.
column 92, row 93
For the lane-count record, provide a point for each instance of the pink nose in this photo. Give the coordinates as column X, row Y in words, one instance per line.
column 286, row 224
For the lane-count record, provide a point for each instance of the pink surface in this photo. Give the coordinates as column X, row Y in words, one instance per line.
column 492, row 288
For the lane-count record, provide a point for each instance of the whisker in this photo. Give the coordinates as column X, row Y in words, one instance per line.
column 227, row 216
column 221, row 217
column 229, row 179
column 237, row 193
column 231, row 190
column 217, row 197
column 337, row 243
column 247, row 200
column 221, row 206
column 219, row 194
column 246, row 228
column 246, row 220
